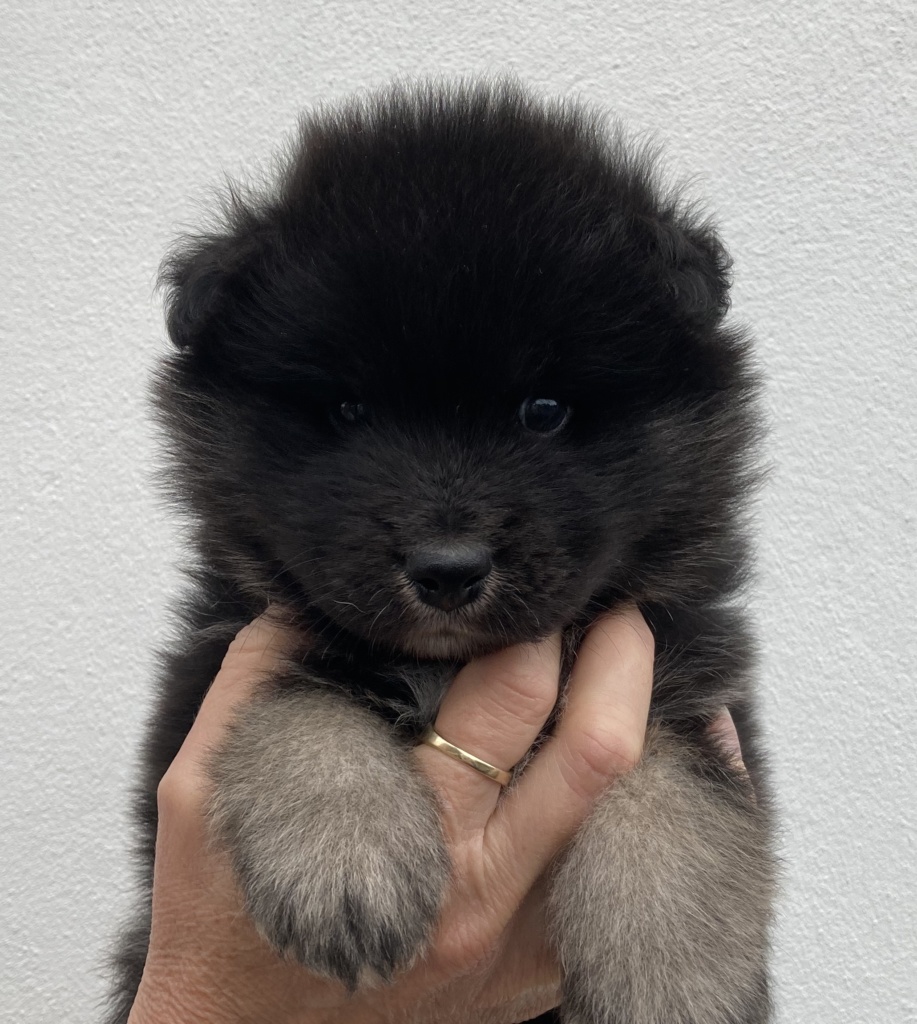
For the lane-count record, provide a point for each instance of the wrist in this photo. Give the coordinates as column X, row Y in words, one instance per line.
column 166, row 998
column 157, row 1005
column 172, row 1000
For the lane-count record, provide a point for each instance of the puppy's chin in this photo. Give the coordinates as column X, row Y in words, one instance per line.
column 449, row 643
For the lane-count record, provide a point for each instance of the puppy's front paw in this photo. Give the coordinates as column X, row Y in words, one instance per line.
column 334, row 837
column 662, row 905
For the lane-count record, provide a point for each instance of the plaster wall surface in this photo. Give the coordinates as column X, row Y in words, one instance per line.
column 799, row 121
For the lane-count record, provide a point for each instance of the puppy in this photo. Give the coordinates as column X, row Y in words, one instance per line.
column 459, row 379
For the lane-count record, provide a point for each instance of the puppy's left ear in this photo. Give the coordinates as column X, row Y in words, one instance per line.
column 695, row 268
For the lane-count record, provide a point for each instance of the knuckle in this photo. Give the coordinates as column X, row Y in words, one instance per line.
column 600, row 755
column 527, row 695
column 178, row 797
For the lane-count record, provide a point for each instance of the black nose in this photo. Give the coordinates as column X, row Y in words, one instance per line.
column 449, row 576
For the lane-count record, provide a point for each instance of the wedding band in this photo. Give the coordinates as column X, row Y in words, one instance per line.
column 433, row 739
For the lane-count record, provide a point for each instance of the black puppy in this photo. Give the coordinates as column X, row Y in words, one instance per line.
column 461, row 379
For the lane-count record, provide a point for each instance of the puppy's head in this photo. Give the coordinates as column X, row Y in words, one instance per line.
column 459, row 376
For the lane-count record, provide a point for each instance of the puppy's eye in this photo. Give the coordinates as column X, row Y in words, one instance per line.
column 543, row 415
column 349, row 413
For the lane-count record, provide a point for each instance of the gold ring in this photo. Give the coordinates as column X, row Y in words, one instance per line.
column 497, row 774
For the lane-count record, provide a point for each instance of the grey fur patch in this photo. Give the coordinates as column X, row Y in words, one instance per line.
column 661, row 906
column 334, row 835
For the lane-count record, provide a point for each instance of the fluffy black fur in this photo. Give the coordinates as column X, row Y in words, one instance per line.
column 439, row 255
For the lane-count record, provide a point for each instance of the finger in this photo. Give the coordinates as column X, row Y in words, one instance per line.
column 599, row 737
column 495, row 710
column 722, row 730
column 256, row 650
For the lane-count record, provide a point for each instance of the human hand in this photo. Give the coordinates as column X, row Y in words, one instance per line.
column 489, row 960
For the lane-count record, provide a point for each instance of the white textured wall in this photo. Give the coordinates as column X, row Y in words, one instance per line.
column 799, row 118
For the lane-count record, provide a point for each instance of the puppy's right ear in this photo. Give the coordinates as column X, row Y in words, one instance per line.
column 207, row 276
column 200, row 276
column 194, row 280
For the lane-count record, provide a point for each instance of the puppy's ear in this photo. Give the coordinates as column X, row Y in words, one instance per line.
column 206, row 276
column 695, row 268
column 196, row 278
